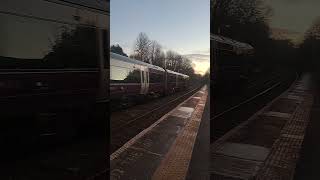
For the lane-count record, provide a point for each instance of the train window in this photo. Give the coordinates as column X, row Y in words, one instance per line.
column 133, row 76
column 118, row 74
column 156, row 78
column 28, row 43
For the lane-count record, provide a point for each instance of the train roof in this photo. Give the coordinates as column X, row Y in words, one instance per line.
column 134, row 61
column 173, row 72
column 237, row 46
column 129, row 60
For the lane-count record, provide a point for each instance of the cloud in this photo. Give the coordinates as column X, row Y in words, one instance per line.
column 294, row 15
column 198, row 57
column 279, row 33
column 200, row 62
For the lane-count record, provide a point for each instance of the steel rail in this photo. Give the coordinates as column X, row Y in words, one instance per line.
column 156, row 109
column 248, row 100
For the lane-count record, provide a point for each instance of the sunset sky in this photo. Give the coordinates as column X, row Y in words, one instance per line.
column 293, row 16
column 180, row 25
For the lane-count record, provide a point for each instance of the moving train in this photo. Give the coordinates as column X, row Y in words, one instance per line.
column 232, row 62
column 54, row 69
column 132, row 78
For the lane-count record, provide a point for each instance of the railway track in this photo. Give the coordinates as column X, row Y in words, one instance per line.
column 128, row 125
column 260, row 93
column 224, row 100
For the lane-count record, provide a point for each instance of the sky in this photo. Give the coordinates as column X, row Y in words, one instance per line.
column 295, row 16
column 179, row 25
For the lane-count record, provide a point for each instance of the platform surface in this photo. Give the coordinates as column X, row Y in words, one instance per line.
column 163, row 150
column 268, row 144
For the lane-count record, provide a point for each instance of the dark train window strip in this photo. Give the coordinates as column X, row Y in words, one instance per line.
column 50, row 45
column 45, row 19
column 103, row 6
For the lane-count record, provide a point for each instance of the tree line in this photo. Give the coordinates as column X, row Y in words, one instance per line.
column 309, row 49
column 150, row 51
column 248, row 21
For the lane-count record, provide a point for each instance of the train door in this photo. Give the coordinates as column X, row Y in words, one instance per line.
column 165, row 82
column 144, row 80
column 177, row 82
column 147, row 81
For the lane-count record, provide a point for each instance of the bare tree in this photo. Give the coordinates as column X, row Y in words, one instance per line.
column 176, row 62
column 310, row 47
column 170, row 59
column 314, row 30
column 152, row 52
column 178, row 59
column 156, row 54
column 142, row 47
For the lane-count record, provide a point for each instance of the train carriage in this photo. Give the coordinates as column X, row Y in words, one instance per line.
column 54, row 59
column 129, row 77
column 176, row 81
column 232, row 62
column 132, row 78
column 157, row 80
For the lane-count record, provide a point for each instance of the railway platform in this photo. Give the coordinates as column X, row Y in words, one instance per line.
column 268, row 144
column 164, row 149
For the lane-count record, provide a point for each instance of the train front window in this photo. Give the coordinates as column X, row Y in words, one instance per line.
column 118, row 74
column 28, row 43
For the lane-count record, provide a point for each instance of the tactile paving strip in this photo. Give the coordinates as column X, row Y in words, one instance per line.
column 175, row 164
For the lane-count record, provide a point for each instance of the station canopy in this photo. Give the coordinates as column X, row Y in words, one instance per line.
column 224, row 43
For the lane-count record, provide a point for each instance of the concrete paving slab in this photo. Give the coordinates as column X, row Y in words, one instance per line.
column 294, row 97
column 183, row 112
column 243, row 151
column 292, row 109
column 231, row 167
column 277, row 114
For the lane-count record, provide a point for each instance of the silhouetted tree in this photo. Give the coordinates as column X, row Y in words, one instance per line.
column 311, row 45
column 142, row 48
column 156, row 53
column 151, row 51
column 244, row 21
column 74, row 48
column 118, row 49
